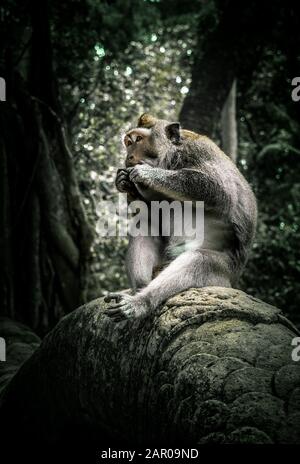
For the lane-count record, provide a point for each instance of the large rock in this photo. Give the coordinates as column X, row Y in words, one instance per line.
column 213, row 365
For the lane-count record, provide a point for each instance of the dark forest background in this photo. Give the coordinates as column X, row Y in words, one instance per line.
column 78, row 73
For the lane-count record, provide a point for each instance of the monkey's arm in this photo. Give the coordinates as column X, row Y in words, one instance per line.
column 201, row 184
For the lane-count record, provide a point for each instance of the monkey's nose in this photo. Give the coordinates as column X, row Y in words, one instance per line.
column 130, row 161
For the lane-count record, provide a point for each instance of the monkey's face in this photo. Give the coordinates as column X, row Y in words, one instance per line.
column 150, row 141
column 138, row 146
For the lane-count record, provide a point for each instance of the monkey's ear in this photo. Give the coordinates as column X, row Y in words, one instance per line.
column 173, row 132
column 146, row 120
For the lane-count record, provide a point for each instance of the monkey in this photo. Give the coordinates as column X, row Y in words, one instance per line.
column 166, row 162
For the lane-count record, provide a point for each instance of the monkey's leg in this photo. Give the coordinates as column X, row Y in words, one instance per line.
column 142, row 256
column 190, row 269
column 194, row 268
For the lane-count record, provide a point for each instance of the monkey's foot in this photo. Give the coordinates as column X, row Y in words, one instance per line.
column 122, row 306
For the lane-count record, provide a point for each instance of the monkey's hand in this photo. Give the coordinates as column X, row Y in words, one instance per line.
column 141, row 173
column 123, row 183
column 122, row 306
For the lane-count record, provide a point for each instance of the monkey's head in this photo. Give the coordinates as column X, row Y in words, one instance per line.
column 151, row 140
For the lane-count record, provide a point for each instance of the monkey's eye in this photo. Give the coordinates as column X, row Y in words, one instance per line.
column 139, row 137
column 127, row 142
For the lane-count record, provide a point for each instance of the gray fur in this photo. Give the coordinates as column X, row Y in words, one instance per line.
column 186, row 168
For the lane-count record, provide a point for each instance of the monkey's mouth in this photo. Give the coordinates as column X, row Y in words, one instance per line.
column 131, row 164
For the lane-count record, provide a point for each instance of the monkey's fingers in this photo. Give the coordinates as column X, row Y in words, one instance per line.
column 122, row 175
column 113, row 296
column 116, row 314
column 139, row 174
column 115, row 306
column 121, row 187
column 121, row 308
column 112, row 312
column 134, row 176
column 125, row 185
column 122, row 178
column 122, row 171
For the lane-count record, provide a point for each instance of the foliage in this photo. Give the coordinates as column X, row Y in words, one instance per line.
column 151, row 75
column 270, row 158
column 115, row 60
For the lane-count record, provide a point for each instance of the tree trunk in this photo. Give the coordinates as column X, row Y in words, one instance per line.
column 228, row 124
column 212, row 78
column 213, row 73
column 45, row 237
column 213, row 366
column 231, row 38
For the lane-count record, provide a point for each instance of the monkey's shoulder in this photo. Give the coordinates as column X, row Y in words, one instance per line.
column 190, row 135
column 202, row 146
